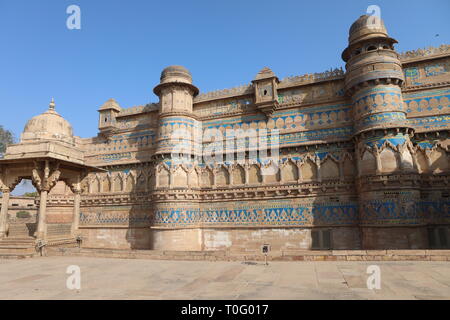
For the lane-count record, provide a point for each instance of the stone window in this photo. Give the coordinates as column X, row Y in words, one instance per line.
column 438, row 238
column 321, row 239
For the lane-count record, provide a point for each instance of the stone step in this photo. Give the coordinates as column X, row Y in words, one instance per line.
column 20, row 230
column 17, row 246
column 21, row 241
column 17, row 250
column 16, row 256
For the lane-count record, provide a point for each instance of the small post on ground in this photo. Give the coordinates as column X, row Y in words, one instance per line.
column 265, row 248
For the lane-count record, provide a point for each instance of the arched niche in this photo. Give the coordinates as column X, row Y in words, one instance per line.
column 348, row 168
column 106, row 185
column 308, row 170
column 130, row 183
column 163, row 177
column 206, row 178
column 289, row 172
column 388, row 161
column 368, row 163
column 329, row 169
column 238, row 175
column 254, row 174
column 439, row 160
column 117, row 184
column 222, row 177
column 180, row 178
column 141, row 182
column 422, row 163
column 193, row 178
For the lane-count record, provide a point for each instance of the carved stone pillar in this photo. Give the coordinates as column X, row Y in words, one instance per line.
column 319, row 172
column 76, row 189
column 171, row 173
column 4, row 212
column 247, row 174
column 42, row 225
column 214, row 173
column 76, row 211
column 262, row 170
column 43, row 180
column 230, row 175
column 188, row 178
column 378, row 162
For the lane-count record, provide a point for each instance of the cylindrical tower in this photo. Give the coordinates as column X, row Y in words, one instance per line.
column 178, row 128
column 387, row 177
column 175, row 202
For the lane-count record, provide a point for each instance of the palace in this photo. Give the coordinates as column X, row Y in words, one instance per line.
column 362, row 162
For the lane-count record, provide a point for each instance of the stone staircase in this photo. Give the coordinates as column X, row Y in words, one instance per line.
column 15, row 248
column 21, row 230
column 19, row 243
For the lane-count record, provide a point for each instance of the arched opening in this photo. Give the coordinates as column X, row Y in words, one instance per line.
column 25, row 189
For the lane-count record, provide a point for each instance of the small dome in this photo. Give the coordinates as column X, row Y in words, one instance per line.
column 265, row 73
column 48, row 126
column 367, row 27
column 176, row 74
column 110, row 104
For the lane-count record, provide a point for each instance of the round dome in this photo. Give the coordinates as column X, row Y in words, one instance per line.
column 367, row 27
column 49, row 125
column 176, row 74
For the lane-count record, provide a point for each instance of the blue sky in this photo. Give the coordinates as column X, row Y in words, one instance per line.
column 123, row 46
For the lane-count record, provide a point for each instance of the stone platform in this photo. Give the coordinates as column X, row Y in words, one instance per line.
column 300, row 255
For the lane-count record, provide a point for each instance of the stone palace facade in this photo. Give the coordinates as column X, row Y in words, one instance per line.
column 361, row 161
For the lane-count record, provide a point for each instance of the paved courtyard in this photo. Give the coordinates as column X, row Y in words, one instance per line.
column 104, row 278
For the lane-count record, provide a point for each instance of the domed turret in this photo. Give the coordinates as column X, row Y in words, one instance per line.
column 382, row 132
column 367, row 27
column 48, row 126
column 177, row 123
column 373, row 76
column 175, row 75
